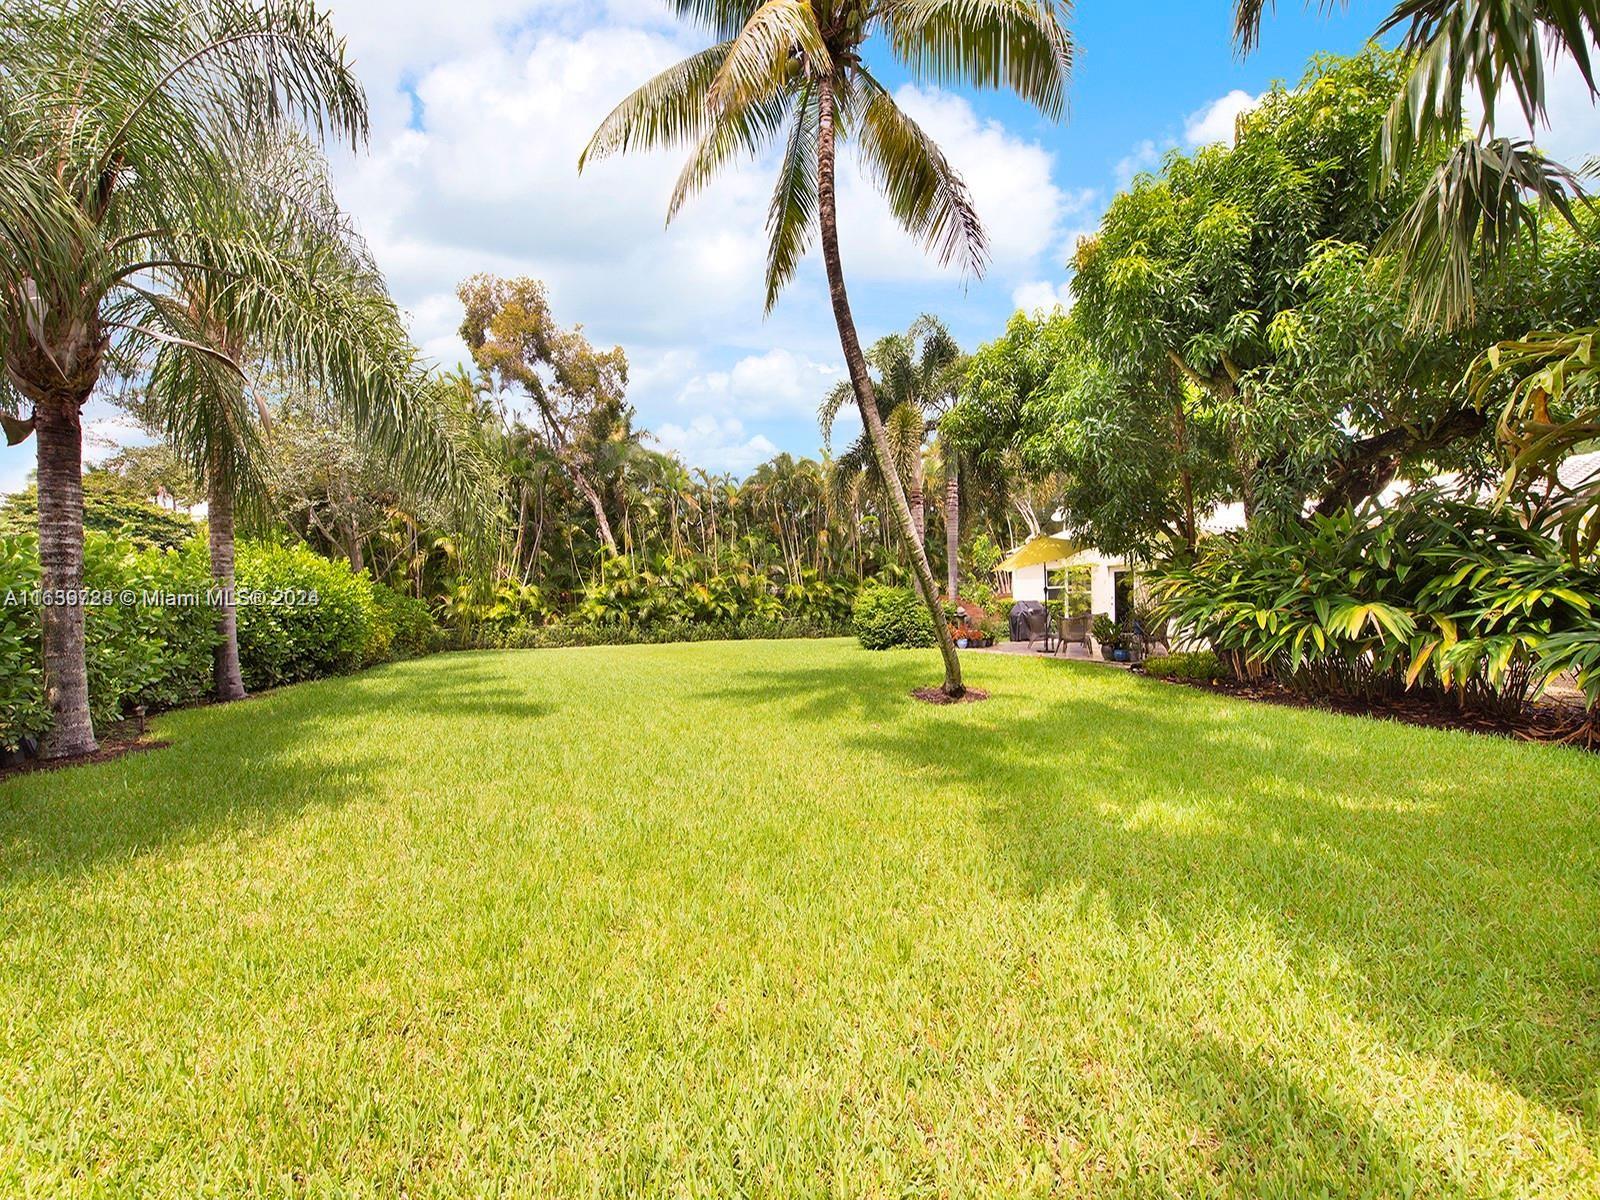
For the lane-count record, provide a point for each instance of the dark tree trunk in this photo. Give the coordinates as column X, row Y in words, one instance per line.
column 952, row 525
column 866, row 401
column 1180, row 433
column 352, row 535
column 226, row 674
column 66, row 674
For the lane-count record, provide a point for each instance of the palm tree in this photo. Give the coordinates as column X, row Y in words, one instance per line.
column 1485, row 194
column 917, row 375
column 121, row 127
column 336, row 330
column 799, row 67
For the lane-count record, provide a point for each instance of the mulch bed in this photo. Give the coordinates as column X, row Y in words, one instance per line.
column 124, row 737
column 933, row 695
column 1545, row 721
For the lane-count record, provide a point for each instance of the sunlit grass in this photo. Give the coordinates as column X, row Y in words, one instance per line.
column 744, row 919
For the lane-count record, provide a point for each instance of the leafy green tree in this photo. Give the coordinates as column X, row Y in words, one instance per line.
column 799, row 68
column 1135, row 464
column 111, row 505
column 155, row 472
column 124, row 126
column 1251, row 277
column 576, row 390
column 1190, row 269
column 1483, row 191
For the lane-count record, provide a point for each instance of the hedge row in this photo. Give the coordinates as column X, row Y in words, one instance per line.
column 306, row 617
column 564, row 635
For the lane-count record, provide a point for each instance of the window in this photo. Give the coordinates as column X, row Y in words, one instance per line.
column 1072, row 584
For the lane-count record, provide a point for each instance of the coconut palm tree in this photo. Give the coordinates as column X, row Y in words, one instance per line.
column 798, row 69
column 122, row 124
column 1486, row 193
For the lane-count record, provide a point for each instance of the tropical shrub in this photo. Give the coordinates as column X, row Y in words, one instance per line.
column 149, row 643
column 1191, row 666
column 564, row 635
column 110, row 507
column 314, row 617
column 22, row 708
column 156, row 651
column 411, row 629
column 1430, row 594
column 888, row 617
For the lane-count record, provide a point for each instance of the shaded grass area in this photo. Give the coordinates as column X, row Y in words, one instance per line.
column 745, row 919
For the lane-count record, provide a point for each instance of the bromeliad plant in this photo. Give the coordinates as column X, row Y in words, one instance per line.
column 1432, row 595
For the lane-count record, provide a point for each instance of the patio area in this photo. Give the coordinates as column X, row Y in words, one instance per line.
column 1072, row 650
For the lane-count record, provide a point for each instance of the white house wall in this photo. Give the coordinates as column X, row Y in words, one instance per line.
column 1027, row 583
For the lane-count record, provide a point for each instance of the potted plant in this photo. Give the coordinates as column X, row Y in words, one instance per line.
column 1106, row 635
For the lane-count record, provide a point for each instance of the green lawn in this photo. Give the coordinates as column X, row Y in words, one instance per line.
column 724, row 920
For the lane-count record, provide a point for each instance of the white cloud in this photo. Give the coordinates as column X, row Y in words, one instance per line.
column 1043, row 296
column 777, row 383
column 716, row 444
column 1011, row 182
column 490, row 183
column 104, row 436
column 1217, row 120
column 1144, row 157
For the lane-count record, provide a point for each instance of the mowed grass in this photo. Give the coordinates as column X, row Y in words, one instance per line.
column 745, row 920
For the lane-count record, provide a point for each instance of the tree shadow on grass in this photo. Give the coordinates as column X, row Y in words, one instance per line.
column 1457, row 875
column 246, row 767
column 1255, row 1127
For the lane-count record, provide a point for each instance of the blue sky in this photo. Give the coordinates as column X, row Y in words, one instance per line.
column 480, row 108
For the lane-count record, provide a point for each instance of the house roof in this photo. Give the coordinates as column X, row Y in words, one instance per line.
column 1579, row 469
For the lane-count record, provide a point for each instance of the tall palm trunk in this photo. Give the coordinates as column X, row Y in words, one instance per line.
column 861, row 381
column 58, row 426
column 522, row 531
column 952, row 525
column 226, row 673
column 919, row 511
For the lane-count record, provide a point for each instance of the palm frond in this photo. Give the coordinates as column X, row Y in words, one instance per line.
column 840, row 395
column 1019, row 44
column 723, row 17
column 669, row 110
column 923, row 190
column 781, row 39
column 744, row 130
column 1249, row 14
column 1478, row 202
column 792, row 218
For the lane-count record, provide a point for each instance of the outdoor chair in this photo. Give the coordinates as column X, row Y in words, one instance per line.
column 1075, row 630
column 1036, row 625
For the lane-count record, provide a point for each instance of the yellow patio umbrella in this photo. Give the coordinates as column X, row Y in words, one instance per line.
column 1041, row 548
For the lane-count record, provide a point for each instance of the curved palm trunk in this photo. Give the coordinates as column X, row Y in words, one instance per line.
column 952, row 526
column 66, row 674
column 226, row 673
column 919, row 512
column 861, row 381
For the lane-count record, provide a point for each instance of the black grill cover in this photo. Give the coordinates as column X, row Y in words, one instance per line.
column 1019, row 618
